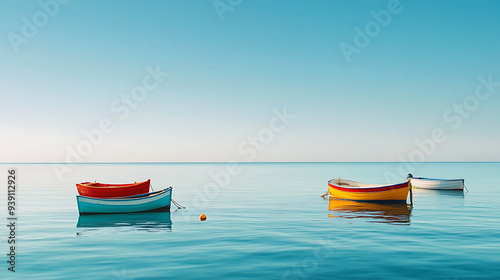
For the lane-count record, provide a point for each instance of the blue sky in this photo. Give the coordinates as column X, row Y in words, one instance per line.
column 227, row 74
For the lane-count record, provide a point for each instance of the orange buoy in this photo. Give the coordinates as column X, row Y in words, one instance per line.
column 203, row 217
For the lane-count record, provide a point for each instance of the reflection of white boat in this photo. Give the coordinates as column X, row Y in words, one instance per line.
column 136, row 220
column 450, row 193
column 159, row 200
column 436, row 184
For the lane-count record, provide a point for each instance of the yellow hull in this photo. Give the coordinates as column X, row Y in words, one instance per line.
column 400, row 193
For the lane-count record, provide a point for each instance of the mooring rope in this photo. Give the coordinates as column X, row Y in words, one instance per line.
column 411, row 193
column 466, row 188
column 174, row 202
column 325, row 194
column 178, row 205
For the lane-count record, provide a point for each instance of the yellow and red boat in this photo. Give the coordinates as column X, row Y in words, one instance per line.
column 346, row 189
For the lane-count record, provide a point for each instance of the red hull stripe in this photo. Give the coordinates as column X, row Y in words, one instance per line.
column 377, row 189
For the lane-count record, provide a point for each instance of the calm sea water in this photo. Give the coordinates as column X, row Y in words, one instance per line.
column 268, row 222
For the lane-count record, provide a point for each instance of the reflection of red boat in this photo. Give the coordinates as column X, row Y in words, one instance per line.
column 112, row 190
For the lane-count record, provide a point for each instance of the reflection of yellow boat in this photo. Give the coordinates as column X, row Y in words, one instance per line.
column 376, row 212
column 346, row 189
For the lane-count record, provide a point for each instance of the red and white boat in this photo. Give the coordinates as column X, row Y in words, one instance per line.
column 101, row 190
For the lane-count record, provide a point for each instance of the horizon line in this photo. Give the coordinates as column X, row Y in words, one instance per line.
column 219, row 162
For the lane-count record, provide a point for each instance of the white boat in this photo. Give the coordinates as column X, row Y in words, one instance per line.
column 159, row 200
column 436, row 184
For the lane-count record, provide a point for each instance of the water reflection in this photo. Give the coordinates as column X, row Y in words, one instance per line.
column 147, row 221
column 394, row 213
column 451, row 193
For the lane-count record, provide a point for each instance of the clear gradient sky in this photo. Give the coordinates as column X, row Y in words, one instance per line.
column 229, row 69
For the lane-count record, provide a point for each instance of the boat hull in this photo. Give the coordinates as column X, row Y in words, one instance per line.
column 112, row 190
column 437, row 184
column 398, row 192
column 141, row 203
